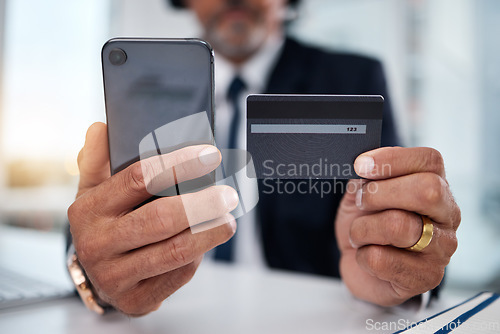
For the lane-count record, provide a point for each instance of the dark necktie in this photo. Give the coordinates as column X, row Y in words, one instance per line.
column 225, row 251
column 233, row 96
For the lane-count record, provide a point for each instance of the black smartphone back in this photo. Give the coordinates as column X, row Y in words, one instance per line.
column 150, row 84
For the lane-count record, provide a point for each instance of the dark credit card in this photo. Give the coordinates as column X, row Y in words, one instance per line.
column 311, row 136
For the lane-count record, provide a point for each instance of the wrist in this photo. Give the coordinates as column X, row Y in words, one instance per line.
column 83, row 285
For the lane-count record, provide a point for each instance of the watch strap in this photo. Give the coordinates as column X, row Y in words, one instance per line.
column 82, row 284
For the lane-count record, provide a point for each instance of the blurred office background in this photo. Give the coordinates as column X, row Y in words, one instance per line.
column 441, row 59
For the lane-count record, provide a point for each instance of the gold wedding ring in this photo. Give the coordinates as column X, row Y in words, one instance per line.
column 426, row 237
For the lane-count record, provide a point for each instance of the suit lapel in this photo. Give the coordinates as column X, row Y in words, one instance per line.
column 286, row 78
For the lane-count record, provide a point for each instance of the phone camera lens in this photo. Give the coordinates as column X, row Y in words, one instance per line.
column 117, row 57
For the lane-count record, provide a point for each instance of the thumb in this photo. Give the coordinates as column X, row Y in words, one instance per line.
column 93, row 159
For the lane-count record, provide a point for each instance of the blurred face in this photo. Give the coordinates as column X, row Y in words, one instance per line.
column 238, row 28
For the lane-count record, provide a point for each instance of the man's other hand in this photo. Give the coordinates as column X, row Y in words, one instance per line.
column 380, row 216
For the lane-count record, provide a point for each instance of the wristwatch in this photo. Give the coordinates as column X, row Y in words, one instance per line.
column 83, row 285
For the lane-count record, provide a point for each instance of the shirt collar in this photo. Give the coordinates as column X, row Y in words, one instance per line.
column 255, row 72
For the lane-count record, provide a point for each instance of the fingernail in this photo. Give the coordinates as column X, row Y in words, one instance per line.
column 230, row 197
column 359, row 198
column 353, row 245
column 209, row 156
column 364, row 165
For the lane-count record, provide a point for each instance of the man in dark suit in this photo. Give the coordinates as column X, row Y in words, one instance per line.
column 387, row 246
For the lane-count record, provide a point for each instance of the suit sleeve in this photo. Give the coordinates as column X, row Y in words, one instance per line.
column 69, row 238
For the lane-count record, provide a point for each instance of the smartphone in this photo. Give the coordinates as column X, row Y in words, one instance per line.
column 151, row 87
column 159, row 97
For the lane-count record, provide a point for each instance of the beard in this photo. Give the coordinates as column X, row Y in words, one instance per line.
column 237, row 40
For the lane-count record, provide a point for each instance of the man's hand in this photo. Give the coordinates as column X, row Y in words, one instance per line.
column 379, row 217
column 134, row 256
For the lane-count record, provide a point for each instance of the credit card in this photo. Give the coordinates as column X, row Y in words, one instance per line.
column 311, row 136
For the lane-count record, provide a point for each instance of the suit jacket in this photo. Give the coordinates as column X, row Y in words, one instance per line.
column 298, row 230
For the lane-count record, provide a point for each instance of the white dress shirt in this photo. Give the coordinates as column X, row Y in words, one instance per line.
column 255, row 73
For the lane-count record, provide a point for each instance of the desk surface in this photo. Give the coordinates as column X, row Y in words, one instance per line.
column 225, row 299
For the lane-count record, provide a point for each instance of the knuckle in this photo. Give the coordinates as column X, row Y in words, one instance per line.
column 163, row 220
column 80, row 209
column 137, row 176
column 433, row 189
column 180, row 251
